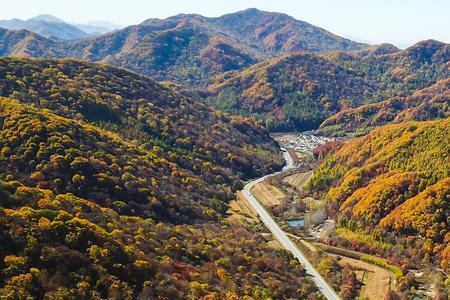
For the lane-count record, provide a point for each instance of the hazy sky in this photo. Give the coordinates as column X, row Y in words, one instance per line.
column 401, row 22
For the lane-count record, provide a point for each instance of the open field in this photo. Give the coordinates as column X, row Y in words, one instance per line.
column 377, row 281
column 240, row 210
column 298, row 180
column 268, row 195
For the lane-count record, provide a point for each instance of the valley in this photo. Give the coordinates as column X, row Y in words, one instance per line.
column 244, row 155
column 278, row 199
column 282, row 238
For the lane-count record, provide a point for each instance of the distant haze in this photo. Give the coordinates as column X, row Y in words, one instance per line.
column 401, row 22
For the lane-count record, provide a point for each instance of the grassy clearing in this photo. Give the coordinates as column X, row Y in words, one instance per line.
column 240, row 210
column 384, row 264
column 377, row 274
column 298, row 180
column 267, row 194
column 376, row 280
column 380, row 262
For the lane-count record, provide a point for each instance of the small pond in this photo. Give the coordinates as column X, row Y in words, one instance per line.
column 296, row 223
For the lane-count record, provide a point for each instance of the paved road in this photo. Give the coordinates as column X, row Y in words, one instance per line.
column 281, row 236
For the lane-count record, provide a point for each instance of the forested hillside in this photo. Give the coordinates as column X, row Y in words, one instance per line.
column 24, row 43
column 43, row 150
column 293, row 92
column 68, row 247
column 299, row 91
column 393, row 181
column 287, row 73
column 426, row 104
column 139, row 109
column 120, row 154
column 189, row 49
column 110, row 187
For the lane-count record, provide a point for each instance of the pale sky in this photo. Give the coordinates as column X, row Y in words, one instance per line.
column 401, row 22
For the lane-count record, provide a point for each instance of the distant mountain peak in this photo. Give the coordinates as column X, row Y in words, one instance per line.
column 428, row 50
column 161, row 48
column 46, row 18
column 47, row 26
column 430, row 43
column 380, row 49
column 252, row 11
column 105, row 24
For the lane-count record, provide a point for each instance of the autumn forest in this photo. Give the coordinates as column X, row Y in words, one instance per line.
column 125, row 157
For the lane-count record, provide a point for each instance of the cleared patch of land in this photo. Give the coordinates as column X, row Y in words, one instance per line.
column 298, row 180
column 241, row 210
column 377, row 281
column 309, row 246
column 268, row 195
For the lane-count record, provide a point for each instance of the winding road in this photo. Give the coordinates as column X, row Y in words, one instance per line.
column 281, row 236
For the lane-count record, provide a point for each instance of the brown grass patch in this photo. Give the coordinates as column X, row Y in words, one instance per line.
column 298, row 180
column 268, row 195
column 241, row 210
column 377, row 281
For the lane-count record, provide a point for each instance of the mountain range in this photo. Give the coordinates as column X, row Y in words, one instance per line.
column 110, row 177
column 51, row 27
column 189, row 49
column 299, row 91
column 287, row 73
column 120, row 152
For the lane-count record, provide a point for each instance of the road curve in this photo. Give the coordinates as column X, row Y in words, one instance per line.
column 281, row 236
